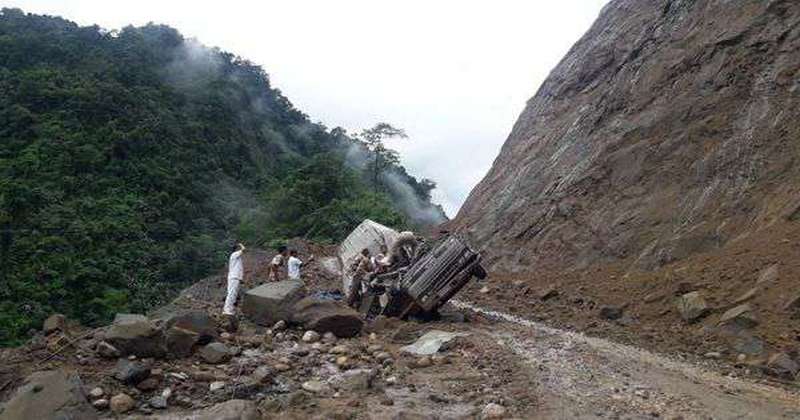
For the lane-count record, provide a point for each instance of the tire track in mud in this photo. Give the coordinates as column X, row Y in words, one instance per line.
column 587, row 377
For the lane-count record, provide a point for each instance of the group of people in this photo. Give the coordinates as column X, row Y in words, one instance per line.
column 364, row 268
column 284, row 257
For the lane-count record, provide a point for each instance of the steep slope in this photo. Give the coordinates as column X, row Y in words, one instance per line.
column 669, row 129
column 131, row 160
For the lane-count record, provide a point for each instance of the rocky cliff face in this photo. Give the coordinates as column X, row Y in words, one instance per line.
column 672, row 127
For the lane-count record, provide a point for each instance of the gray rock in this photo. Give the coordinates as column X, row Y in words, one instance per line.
column 49, row 395
column 272, row 302
column 184, row 330
column 100, row 404
column 135, row 334
column 611, row 312
column 431, row 342
column 216, row 353
column 741, row 316
column 317, row 387
column 780, row 364
column 493, row 411
column 547, row 293
column 354, row 380
column 106, row 350
column 53, row 323
column 122, row 403
column 263, row 375
column 327, row 316
column 231, row 410
column 158, row 402
column 311, row 336
column 744, row 342
column 130, row 372
column 692, row 306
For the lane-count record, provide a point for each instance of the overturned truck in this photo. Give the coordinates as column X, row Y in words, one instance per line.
column 412, row 277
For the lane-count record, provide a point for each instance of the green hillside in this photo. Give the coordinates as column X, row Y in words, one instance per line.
column 130, row 160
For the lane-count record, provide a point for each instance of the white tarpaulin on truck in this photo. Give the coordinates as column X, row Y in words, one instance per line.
column 369, row 235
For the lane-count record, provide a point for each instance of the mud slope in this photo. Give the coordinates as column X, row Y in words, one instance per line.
column 669, row 129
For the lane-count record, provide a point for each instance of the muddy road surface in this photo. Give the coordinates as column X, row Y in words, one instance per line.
column 575, row 376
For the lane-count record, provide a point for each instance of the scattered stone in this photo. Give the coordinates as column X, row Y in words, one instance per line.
column 327, row 316
column 229, row 323
column 744, row 341
column 121, row 403
column 382, row 356
column 343, row 362
column 282, row 367
column 547, row 293
column 311, row 336
column 55, row 322
column 158, row 402
column 768, row 275
column 493, row 411
column 215, row 353
column 230, row 410
column 136, row 335
column 340, row 349
column 741, row 316
column 329, row 337
column 431, row 342
column 100, row 404
column 423, row 362
column 272, row 302
column 713, row 355
column 130, row 372
column 96, row 392
column 107, row 351
column 279, row 326
column 781, row 365
column 692, row 306
column 216, row 386
column 611, row 312
column 354, row 380
column 316, row 387
column 484, row 290
column 50, row 394
column 263, row 375
column 148, row 384
column 385, row 400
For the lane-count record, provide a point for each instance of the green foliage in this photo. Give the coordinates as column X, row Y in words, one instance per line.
column 130, row 160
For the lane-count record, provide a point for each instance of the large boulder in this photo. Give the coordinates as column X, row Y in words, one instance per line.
column 135, row 334
column 49, row 395
column 692, row 306
column 327, row 316
column 184, row 330
column 272, row 302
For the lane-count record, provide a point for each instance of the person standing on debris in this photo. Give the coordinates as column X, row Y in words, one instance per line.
column 235, row 276
column 275, row 265
column 380, row 262
column 293, row 265
column 361, row 274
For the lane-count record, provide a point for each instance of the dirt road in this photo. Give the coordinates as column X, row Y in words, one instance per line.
column 585, row 377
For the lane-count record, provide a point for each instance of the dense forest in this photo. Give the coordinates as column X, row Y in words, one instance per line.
column 131, row 160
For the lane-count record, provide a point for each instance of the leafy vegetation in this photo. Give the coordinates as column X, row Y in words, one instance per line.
column 130, row 160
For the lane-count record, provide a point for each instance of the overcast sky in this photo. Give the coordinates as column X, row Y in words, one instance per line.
column 455, row 74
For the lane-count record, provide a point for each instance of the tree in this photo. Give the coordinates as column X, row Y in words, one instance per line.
column 382, row 156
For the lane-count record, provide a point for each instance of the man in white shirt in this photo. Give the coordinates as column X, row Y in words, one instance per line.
column 275, row 265
column 235, row 276
column 293, row 265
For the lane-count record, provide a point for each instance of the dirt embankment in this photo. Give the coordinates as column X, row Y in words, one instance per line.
column 759, row 270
